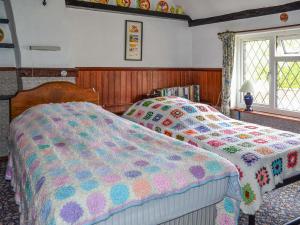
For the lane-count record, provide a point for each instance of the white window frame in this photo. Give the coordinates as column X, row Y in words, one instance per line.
column 270, row 35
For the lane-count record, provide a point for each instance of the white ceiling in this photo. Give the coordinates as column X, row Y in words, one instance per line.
column 198, row 9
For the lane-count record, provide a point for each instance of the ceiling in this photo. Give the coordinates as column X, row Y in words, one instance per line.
column 198, row 9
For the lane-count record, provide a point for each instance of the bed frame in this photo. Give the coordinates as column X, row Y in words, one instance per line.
column 52, row 92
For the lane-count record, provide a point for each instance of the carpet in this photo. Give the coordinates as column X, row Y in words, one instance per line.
column 280, row 206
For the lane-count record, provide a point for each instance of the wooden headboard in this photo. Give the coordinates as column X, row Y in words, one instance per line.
column 52, row 92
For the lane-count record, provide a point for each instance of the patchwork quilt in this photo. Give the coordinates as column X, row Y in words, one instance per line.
column 75, row 163
column 262, row 155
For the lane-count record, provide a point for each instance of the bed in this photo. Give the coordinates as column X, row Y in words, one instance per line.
column 263, row 156
column 72, row 162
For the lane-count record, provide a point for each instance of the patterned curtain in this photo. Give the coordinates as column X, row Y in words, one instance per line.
column 228, row 39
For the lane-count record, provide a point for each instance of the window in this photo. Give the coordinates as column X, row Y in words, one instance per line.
column 272, row 62
column 256, row 67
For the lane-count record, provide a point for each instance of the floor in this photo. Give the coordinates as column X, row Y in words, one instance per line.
column 280, row 206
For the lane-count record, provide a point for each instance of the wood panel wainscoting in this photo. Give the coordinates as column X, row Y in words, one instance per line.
column 119, row 87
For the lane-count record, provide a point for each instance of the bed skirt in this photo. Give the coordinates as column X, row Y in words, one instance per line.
column 204, row 216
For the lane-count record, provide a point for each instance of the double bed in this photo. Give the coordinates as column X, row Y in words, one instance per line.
column 264, row 156
column 72, row 162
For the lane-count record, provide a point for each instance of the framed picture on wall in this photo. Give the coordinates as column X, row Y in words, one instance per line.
column 133, row 40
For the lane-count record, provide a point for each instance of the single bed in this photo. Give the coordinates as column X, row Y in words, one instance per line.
column 75, row 163
column 264, row 156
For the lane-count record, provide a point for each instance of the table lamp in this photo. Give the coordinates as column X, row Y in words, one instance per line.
column 248, row 88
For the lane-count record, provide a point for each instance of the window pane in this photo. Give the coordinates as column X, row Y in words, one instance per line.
column 288, row 85
column 288, row 45
column 256, row 68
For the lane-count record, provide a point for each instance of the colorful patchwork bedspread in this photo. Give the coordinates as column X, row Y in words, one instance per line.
column 76, row 163
column 262, row 155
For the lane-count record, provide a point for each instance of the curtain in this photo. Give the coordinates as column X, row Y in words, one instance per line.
column 228, row 39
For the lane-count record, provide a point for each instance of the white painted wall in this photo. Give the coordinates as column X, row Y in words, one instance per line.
column 207, row 48
column 97, row 42
column 94, row 38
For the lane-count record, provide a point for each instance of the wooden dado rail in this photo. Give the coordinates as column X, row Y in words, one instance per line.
column 120, row 87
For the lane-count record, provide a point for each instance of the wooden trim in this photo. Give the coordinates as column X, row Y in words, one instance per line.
column 247, row 14
column 46, row 72
column 73, row 72
column 53, row 92
column 113, row 8
column 272, row 115
column 145, row 69
column 8, row 68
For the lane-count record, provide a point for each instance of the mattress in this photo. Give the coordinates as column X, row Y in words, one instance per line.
column 194, row 207
column 66, row 159
column 263, row 156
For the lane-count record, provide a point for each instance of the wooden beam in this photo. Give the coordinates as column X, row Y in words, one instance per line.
column 247, row 14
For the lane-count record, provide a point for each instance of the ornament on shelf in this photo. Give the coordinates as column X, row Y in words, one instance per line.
column 179, row 10
column 124, row 3
column 1, row 35
column 143, row 4
column 172, row 9
column 105, row 2
column 162, row 6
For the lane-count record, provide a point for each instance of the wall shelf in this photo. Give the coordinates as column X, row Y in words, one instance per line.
column 4, row 21
column 119, row 9
column 6, row 45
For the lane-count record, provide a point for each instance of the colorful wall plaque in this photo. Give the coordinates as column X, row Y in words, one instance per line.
column 133, row 40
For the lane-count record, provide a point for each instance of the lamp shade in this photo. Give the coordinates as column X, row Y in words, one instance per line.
column 247, row 87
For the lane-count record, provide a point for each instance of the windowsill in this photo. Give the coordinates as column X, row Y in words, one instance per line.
column 277, row 116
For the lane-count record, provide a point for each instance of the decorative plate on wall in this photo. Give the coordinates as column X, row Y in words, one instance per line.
column 1, row 35
column 144, row 4
column 124, row 3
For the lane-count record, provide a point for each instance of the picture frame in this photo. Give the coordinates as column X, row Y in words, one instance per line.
column 133, row 40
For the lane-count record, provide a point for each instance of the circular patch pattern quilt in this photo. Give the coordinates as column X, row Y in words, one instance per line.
column 76, row 163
